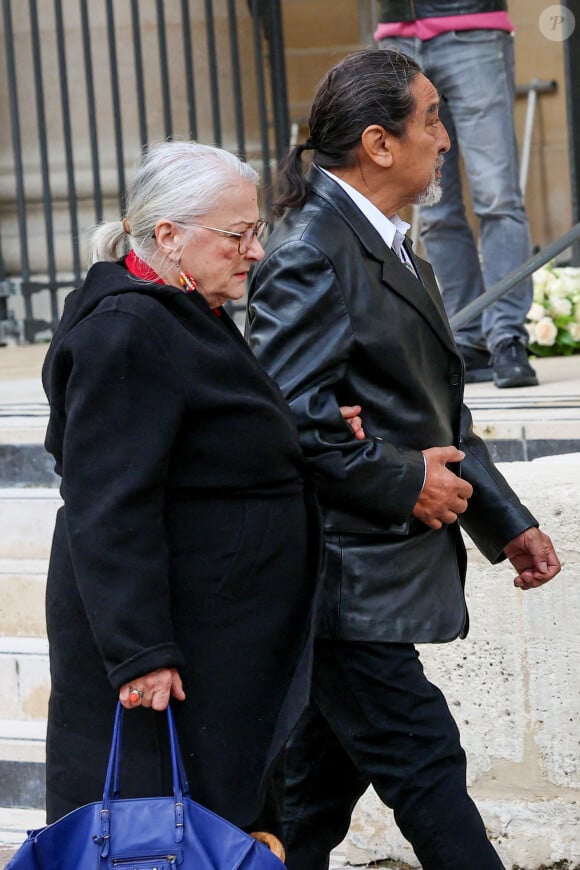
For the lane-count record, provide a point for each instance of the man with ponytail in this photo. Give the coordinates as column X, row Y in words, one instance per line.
column 341, row 311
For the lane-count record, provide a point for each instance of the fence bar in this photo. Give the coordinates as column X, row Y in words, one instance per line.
column 139, row 79
column 189, row 75
column 261, row 88
column 236, row 79
column 164, row 70
column 116, row 102
column 43, row 144
column 474, row 309
column 572, row 67
column 91, row 110
column 67, row 136
column 278, row 80
column 213, row 72
column 17, row 149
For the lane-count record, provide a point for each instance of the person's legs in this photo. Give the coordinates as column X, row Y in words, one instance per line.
column 395, row 730
column 322, row 787
column 474, row 72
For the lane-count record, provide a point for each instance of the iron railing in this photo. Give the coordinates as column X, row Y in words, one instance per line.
column 475, row 308
column 86, row 85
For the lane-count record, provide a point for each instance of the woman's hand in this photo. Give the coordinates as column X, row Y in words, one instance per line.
column 351, row 415
column 152, row 690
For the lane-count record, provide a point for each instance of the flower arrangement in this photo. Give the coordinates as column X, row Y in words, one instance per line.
column 553, row 321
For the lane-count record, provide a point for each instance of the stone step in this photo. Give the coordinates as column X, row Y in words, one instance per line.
column 22, row 767
column 15, row 823
column 22, row 591
column 24, row 678
column 24, row 688
column 27, row 519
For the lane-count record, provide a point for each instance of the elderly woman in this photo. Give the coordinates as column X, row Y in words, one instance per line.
column 183, row 561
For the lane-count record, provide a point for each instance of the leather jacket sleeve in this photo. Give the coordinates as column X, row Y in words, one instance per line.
column 299, row 328
column 495, row 515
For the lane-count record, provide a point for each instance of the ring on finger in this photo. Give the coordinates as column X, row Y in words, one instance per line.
column 135, row 695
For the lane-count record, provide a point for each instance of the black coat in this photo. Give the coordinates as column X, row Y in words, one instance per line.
column 337, row 319
column 182, row 542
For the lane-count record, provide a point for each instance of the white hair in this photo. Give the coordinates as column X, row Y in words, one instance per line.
column 177, row 181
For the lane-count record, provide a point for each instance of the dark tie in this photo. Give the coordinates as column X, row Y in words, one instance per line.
column 398, row 240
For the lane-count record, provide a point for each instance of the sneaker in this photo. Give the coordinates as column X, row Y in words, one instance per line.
column 477, row 364
column 510, row 365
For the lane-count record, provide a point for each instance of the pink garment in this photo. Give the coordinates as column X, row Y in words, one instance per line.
column 427, row 28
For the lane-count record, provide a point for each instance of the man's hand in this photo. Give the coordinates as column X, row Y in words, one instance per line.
column 533, row 556
column 351, row 414
column 444, row 495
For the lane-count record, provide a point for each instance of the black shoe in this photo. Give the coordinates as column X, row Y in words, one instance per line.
column 510, row 365
column 477, row 364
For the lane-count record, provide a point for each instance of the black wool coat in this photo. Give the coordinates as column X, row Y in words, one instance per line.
column 183, row 541
column 336, row 318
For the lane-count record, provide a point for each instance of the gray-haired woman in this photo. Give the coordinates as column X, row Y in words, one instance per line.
column 184, row 558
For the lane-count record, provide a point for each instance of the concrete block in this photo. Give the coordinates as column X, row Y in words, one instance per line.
column 27, row 465
column 23, row 741
column 27, row 519
column 22, row 591
column 527, row 835
column 14, row 823
column 24, row 678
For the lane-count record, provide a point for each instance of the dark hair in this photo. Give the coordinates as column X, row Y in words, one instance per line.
column 372, row 86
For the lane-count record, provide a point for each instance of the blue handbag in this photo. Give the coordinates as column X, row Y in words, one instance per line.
column 158, row 833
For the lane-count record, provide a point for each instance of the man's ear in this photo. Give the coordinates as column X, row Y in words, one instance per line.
column 377, row 144
column 168, row 236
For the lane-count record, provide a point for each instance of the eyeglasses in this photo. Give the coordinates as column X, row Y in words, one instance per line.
column 245, row 239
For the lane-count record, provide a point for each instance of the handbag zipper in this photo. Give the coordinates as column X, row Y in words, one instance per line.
column 140, row 859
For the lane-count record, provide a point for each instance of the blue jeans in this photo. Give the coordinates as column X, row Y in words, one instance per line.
column 473, row 70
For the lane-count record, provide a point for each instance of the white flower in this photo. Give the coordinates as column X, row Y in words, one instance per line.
column 564, row 285
column 574, row 330
column 531, row 329
column 546, row 332
column 536, row 311
column 577, row 312
column 541, row 279
column 560, row 306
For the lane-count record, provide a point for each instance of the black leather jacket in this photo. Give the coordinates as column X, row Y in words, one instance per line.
column 409, row 10
column 337, row 319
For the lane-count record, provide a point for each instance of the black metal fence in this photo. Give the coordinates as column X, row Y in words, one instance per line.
column 85, row 86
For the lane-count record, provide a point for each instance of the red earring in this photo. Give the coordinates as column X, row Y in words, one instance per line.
column 187, row 282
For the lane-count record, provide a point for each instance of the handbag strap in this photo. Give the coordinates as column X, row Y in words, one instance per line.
column 116, row 775
column 112, row 783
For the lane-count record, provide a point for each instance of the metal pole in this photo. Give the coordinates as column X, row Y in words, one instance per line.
column 535, row 87
column 572, row 67
column 278, row 78
column 475, row 308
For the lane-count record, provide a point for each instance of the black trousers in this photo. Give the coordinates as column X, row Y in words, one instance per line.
column 376, row 719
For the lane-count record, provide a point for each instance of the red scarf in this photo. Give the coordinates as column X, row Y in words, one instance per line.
column 140, row 269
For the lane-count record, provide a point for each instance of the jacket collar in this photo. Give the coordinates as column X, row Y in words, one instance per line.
column 423, row 294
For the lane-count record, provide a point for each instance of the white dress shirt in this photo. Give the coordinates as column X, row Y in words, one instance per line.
column 391, row 230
